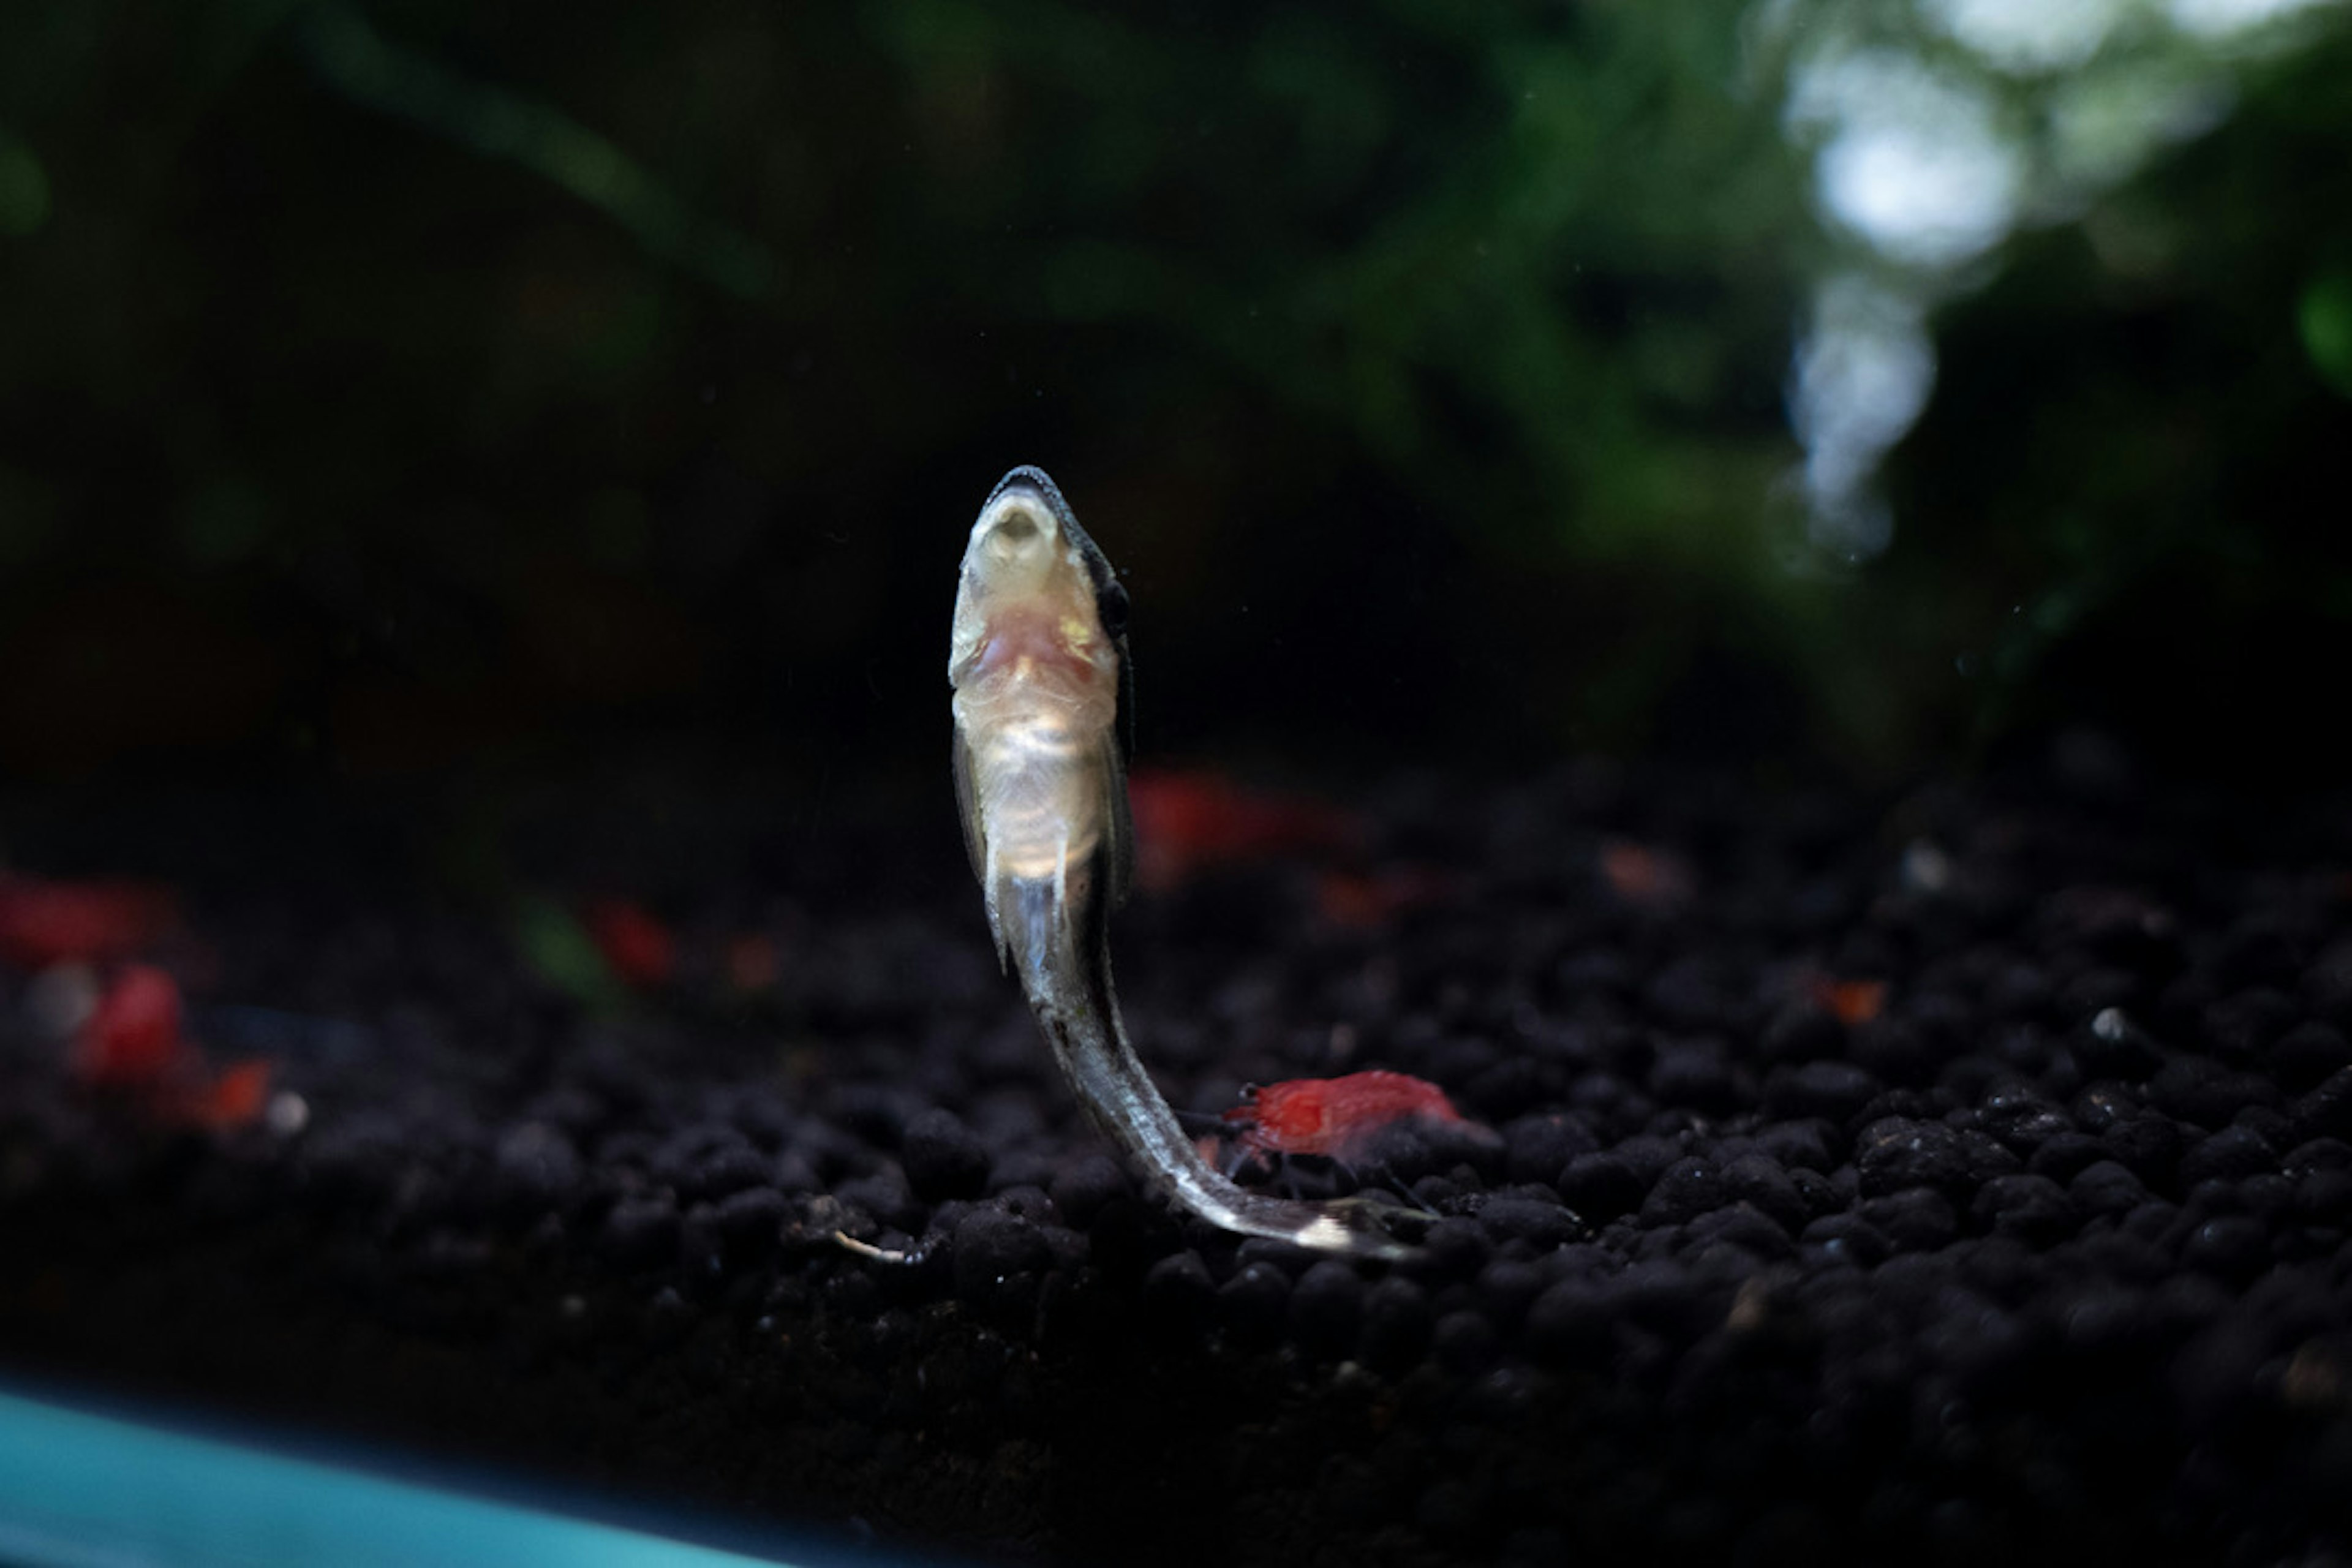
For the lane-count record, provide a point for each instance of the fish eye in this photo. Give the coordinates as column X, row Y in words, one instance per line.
column 1111, row 606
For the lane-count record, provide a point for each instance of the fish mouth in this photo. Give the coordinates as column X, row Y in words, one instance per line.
column 1023, row 518
column 1017, row 526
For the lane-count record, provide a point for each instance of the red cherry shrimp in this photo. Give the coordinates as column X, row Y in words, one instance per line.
column 1336, row 1118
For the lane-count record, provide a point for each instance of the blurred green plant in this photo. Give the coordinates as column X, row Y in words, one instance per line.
column 2324, row 316
column 1431, row 364
column 2123, row 502
column 558, row 948
column 348, row 51
column 24, row 189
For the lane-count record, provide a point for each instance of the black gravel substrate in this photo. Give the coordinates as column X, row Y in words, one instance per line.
column 1956, row 1176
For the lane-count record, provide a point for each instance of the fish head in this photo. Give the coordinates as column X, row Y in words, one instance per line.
column 1033, row 586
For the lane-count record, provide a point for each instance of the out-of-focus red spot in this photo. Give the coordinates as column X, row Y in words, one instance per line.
column 131, row 1046
column 1360, row 901
column 1849, row 1001
column 1650, row 878
column 44, row 922
column 637, row 947
column 752, row 964
column 132, row 1039
column 1346, row 899
column 234, row 1098
column 1186, row 821
column 1334, row 1116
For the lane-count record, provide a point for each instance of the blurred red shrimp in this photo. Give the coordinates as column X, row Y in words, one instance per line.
column 1363, row 901
column 1644, row 877
column 1848, row 1001
column 1334, row 1117
column 44, row 922
column 636, row 946
column 132, row 1039
column 1186, row 820
column 134, row 1044
column 237, row 1096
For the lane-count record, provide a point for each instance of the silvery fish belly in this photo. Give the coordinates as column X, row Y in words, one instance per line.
column 1038, row 662
column 1041, row 813
column 1043, row 806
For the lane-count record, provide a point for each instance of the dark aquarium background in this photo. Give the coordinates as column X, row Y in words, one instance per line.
column 394, row 388
column 1750, row 596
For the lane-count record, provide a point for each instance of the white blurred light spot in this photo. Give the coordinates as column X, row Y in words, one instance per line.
column 1915, row 163
column 2028, row 35
column 1863, row 374
column 1925, row 867
column 1923, row 193
column 2010, row 112
column 287, row 1114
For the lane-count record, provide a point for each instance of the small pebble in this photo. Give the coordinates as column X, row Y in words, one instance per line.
column 1178, row 1293
column 1537, row 1148
column 2326, row 1111
column 1601, row 1187
column 1464, row 1342
column 753, row 1216
column 2107, row 1187
column 942, row 1157
column 1253, row 1306
column 2199, row 1090
column 1698, row 1074
column 2149, row 1146
column 1848, row 1238
column 2228, row 1155
column 1396, row 1325
column 539, row 1163
column 2062, row 1155
column 728, row 1169
column 996, row 1257
column 2245, row 1023
column 2114, row 1045
column 1687, row 1189
column 641, row 1231
column 1743, row 1227
column 1897, row 1152
column 1800, row 1032
column 2034, row 1209
column 1807, row 1143
column 1760, row 1181
column 2305, row 1053
column 2235, row 1247
column 1895, row 1050
column 1916, row 1219
column 1327, row 1305
column 1832, row 1090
